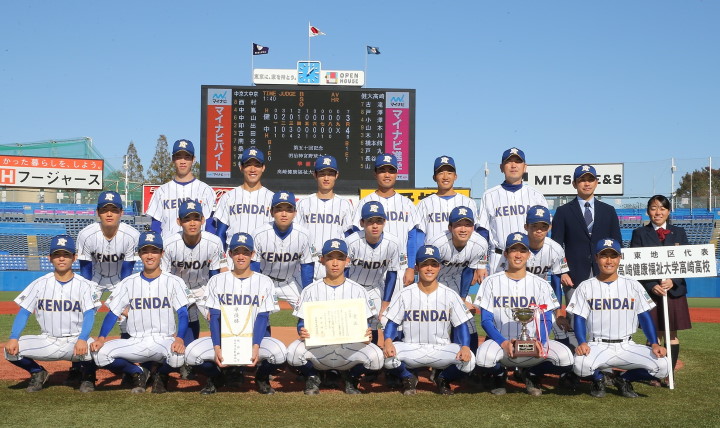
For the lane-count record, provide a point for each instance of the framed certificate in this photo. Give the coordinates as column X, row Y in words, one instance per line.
column 335, row 322
column 236, row 334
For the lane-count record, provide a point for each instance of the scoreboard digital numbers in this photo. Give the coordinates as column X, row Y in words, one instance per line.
column 294, row 125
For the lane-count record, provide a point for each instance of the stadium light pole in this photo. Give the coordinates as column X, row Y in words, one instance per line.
column 710, row 184
column 673, row 168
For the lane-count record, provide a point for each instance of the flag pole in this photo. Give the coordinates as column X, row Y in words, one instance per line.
column 366, row 62
column 309, row 25
column 252, row 64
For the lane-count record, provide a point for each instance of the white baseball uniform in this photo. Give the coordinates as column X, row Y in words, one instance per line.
column 498, row 293
column 369, row 264
column 426, row 320
column 339, row 357
column 107, row 255
column 59, row 309
column 150, row 321
column 167, row 199
column 280, row 259
column 193, row 265
column 434, row 213
column 401, row 219
column 611, row 310
column 244, row 211
column 324, row 219
column 225, row 289
column 503, row 212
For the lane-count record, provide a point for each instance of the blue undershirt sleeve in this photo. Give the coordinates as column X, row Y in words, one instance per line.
column 350, row 231
column 210, row 225
column 462, row 335
column 108, row 324
column 466, row 281
column 483, row 232
column 182, row 314
column 215, row 326
column 19, row 324
column 412, row 247
column 126, row 269
column 87, row 324
column 580, row 327
column 86, row 269
column 390, row 281
column 556, row 286
column 156, row 226
column 255, row 267
column 300, row 324
column 307, row 273
column 213, row 272
column 488, row 324
column 390, row 331
column 260, row 327
column 221, row 232
column 419, row 238
column 648, row 327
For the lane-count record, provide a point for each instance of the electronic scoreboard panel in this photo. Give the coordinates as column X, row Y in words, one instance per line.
column 294, row 125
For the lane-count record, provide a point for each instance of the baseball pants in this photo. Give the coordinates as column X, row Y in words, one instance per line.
column 490, row 353
column 337, row 357
column 627, row 355
column 201, row 350
column 140, row 350
column 426, row 355
column 48, row 348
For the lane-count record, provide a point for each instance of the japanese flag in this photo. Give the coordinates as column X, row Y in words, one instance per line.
column 314, row 31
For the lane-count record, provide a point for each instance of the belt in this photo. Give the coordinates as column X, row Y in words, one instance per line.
column 498, row 251
column 277, row 279
column 612, row 340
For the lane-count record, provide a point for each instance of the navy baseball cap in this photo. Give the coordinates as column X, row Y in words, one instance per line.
column 517, row 238
column 109, row 197
column 326, row 162
column 442, row 161
column 283, row 197
column 252, row 153
column 537, row 214
column 608, row 244
column 188, row 207
column 513, row 151
column 427, row 252
column 62, row 243
column 373, row 209
column 241, row 239
column 332, row 245
column 183, row 146
column 584, row 169
column 151, row 238
column 461, row 213
column 386, row 159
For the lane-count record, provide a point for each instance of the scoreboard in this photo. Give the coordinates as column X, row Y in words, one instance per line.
column 294, row 125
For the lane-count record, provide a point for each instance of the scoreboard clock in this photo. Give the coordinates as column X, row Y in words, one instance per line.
column 308, row 72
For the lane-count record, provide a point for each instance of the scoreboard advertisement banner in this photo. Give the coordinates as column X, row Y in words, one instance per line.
column 294, row 125
column 417, row 195
column 556, row 180
column 51, row 173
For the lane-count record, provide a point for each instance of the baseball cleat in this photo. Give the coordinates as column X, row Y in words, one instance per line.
column 37, row 380
column 351, row 384
column 87, row 382
column 532, row 383
column 186, row 372
column 263, row 386
column 443, row 386
column 74, row 377
column 569, row 381
column 139, row 381
column 597, row 389
column 498, row 387
column 312, row 385
column 409, row 385
column 625, row 387
column 160, row 383
column 210, row 386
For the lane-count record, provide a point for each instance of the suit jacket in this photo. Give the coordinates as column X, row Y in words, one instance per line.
column 570, row 231
column 645, row 236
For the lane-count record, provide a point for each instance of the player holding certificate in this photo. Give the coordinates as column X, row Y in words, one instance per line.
column 353, row 359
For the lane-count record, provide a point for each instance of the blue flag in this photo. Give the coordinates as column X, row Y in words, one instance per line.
column 260, row 50
column 373, row 50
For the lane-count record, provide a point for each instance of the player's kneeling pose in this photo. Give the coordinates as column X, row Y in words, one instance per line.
column 516, row 288
column 239, row 287
column 610, row 306
column 64, row 305
column 426, row 310
column 152, row 298
column 353, row 358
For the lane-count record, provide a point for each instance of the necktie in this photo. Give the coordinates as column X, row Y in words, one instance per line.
column 662, row 233
column 588, row 215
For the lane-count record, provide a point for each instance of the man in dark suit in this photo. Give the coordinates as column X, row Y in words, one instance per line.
column 578, row 226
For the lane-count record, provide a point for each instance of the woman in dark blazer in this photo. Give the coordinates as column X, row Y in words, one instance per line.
column 659, row 232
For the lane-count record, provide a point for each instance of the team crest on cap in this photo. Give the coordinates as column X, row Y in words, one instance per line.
column 513, row 151
column 182, row 144
column 284, row 196
column 387, row 159
column 373, row 208
column 429, row 251
column 62, row 242
column 242, row 239
column 326, row 161
column 608, row 243
column 444, row 160
column 540, row 212
column 150, row 237
column 335, row 244
column 586, row 168
column 518, row 237
column 191, row 205
column 462, row 211
column 252, row 152
column 109, row 197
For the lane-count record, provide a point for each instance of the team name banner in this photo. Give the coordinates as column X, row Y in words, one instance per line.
column 679, row 261
column 237, row 332
column 335, row 322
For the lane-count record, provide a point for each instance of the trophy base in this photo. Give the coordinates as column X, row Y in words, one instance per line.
column 526, row 348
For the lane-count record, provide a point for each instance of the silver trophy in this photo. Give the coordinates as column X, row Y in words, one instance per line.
column 524, row 345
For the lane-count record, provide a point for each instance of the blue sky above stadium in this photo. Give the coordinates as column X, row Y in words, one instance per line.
column 568, row 82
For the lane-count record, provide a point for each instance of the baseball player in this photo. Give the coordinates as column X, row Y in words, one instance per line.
column 609, row 307
column 283, row 250
column 106, row 252
column 324, row 214
column 195, row 256
column 241, row 286
column 402, row 220
column 353, row 359
column 374, row 259
column 462, row 252
column 503, row 208
column 152, row 298
column 434, row 210
column 247, row 207
column 64, row 306
column 515, row 287
column 167, row 198
column 426, row 311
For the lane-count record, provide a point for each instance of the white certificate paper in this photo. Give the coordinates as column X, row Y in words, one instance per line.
column 335, row 322
column 236, row 334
